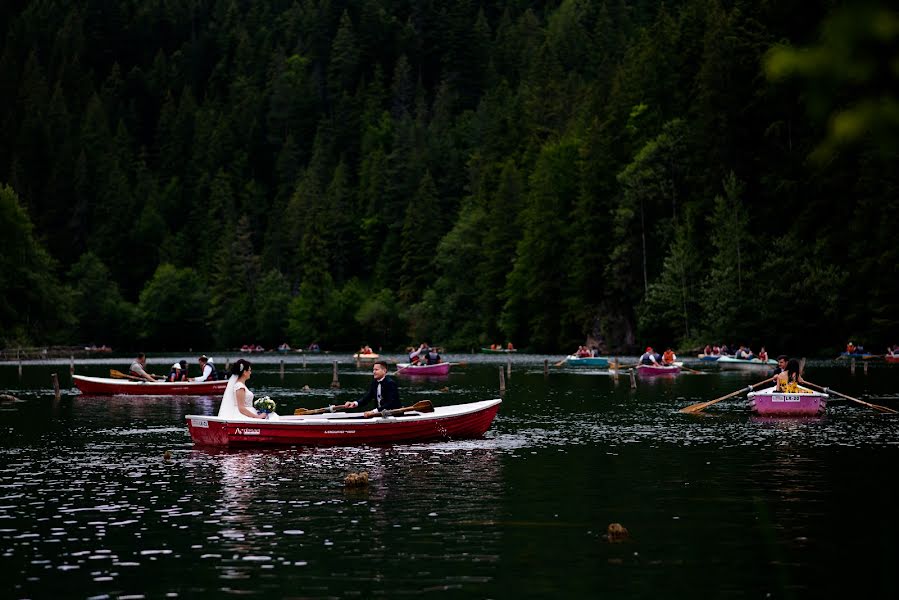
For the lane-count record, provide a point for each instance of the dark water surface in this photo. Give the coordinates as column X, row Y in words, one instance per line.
column 721, row 505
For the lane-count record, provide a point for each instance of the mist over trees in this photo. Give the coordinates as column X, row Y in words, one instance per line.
column 181, row 173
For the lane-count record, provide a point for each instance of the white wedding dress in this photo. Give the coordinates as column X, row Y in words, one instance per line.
column 229, row 410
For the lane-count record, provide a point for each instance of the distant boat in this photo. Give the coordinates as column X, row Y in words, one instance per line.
column 366, row 356
column 410, row 369
column 650, row 370
column 461, row 421
column 862, row 355
column 769, row 402
column 708, row 357
column 587, row 361
column 103, row 386
column 498, row 350
column 730, row 363
column 891, row 359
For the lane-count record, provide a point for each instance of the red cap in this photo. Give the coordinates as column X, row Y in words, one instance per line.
column 649, row 348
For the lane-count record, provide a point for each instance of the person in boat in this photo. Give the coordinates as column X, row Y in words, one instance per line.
column 716, row 350
column 207, row 369
column 285, row 347
column 788, row 381
column 708, row 350
column 763, row 355
column 743, row 353
column 137, row 368
column 433, row 357
column 669, row 357
column 366, row 349
column 851, row 348
column 178, row 372
column 893, row 351
column 237, row 401
column 383, row 390
column 648, row 357
column 510, row 347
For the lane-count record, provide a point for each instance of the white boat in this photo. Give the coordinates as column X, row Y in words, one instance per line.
column 741, row 364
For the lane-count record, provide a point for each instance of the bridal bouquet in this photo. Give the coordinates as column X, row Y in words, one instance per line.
column 264, row 404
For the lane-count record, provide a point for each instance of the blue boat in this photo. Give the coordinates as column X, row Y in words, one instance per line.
column 587, row 361
column 865, row 355
column 709, row 357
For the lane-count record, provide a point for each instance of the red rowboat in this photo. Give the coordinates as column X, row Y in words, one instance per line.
column 768, row 403
column 345, row 429
column 891, row 358
column 410, row 369
column 649, row 370
column 107, row 386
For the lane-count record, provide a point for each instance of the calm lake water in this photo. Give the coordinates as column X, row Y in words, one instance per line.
column 718, row 505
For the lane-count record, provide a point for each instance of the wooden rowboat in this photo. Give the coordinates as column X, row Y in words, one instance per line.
column 371, row 356
column 730, row 363
column 769, row 402
column 410, row 369
column 587, row 361
column 104, row 386
column 346, row 429
column 498, row 350
column 891, row 359
column 651, row 370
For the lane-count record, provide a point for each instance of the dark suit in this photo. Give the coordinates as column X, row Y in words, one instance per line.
column 390, row 394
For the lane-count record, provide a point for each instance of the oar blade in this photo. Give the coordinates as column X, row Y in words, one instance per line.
column 424, row 406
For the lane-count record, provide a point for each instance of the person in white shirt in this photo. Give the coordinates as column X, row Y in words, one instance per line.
column 207, row 368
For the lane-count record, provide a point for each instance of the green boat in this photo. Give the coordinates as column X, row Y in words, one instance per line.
column 498, row 351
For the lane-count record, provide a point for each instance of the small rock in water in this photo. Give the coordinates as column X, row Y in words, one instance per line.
column 167, row 455
column 8, row 398
column 356, row 480
column 616, row 532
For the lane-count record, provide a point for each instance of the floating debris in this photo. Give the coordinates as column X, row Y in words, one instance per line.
column 356, row 480
column 616, row 532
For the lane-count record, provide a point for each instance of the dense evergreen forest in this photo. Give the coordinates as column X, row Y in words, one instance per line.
column 208, row 173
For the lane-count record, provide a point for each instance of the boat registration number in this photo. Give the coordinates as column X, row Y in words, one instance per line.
column 787, row 398
column 200, row 423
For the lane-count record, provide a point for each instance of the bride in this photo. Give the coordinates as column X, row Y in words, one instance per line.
column 237, row 402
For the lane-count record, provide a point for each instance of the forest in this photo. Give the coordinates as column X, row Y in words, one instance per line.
column 210, row 173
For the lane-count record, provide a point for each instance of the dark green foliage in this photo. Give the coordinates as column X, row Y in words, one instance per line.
column 457, row 171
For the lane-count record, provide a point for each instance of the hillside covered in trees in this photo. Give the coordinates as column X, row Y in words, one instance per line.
column 188, row 173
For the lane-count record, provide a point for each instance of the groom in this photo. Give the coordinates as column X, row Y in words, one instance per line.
column 383, row 390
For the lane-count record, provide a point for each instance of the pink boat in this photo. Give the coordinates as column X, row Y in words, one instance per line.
column 461, row 421
column 103, row 386
column 651, row 370
column 410, row 369
column 770, row 403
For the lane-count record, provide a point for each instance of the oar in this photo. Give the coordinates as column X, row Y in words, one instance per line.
column 119, row 375
column 702, row 405
column 423, row 406
column 691, row 370
column 319, row 411
column 562, row 362
column 868, row 404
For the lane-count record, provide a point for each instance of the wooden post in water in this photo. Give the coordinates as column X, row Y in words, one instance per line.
column 866, row 367
column 304, row 361
column 615, row 369
column 55, row 380
column 545, row 367
column 282, row 369
column 502, row 381
column 19, row 358
column 633, row 380
column 852, row 366
column 509, row 368
column 71, row 364
column 334, row 382
column 227, row 366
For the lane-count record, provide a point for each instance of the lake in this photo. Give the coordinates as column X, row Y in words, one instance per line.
column 720, row 504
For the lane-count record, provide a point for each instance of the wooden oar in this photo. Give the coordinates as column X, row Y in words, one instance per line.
column 319, row 411
column 681, row 365
column 702, row 405
column 119, row 375
column 562, row 362
column 423, row 406
column 868, row 404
